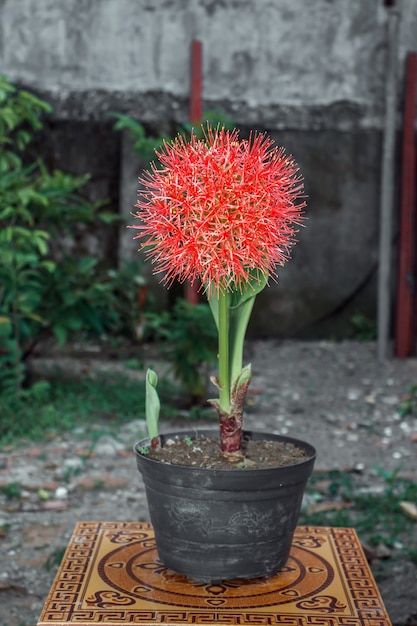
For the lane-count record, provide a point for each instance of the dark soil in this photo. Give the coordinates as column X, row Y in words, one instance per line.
column 205, row 453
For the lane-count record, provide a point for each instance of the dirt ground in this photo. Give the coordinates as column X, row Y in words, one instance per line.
column 337, row 396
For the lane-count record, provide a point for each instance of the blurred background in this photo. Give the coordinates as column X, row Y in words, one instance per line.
column 315, row 74
column 88, row 89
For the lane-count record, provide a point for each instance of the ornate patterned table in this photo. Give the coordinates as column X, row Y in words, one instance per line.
column 110, row 574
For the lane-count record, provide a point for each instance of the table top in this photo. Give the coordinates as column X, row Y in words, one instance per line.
column 111, row 574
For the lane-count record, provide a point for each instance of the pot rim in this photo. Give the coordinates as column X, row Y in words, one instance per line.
column 246, row 433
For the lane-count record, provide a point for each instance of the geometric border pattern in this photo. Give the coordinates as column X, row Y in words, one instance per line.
column 111, row 574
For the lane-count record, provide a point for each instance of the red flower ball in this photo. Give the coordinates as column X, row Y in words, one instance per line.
column 219, row 209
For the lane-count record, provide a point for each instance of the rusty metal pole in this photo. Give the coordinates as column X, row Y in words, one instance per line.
column 196, row 100
column 196, row 114
column 404, row 344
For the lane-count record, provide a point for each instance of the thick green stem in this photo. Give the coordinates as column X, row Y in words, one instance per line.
column 224, row 372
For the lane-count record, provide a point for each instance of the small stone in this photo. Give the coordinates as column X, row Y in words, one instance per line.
column 125, row 453
column 353, row 394
column 330, row 418
column 390, row 400
column 382, row 551
column 108, row 446
column 352, row 437
column 54, row 505
column 61, row 493
column 383, row 443
column 405, row 427
column 34, row 451
column 102, row 482
column 73, row 464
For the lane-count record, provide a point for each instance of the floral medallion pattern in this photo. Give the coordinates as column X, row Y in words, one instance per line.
column 111, row 574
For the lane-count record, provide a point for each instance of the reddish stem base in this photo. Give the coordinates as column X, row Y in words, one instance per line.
column 231, row 437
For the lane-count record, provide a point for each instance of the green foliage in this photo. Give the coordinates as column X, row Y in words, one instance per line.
column 376, row 515
column 11, row 491
column 214, row 117
column 408, row 403
column 363, row 328
column 66, row 404
column 131, row 298
column 144, row 145
column 54, row 559
column 189, row 342
column 43, row 289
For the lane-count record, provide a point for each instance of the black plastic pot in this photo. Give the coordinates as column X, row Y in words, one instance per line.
column 214, row 525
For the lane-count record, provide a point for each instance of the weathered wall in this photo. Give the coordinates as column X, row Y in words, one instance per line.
column 311, row 72
column 300, row 63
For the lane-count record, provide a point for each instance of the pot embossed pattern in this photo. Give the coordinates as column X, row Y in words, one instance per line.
column 213, row 525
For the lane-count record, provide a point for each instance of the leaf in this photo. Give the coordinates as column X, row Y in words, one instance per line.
column 87, row 264
column 60, row 333
column 10, row 117
column 37, row 318
column 40, row 243
column 409, row 509
column 108, row 218
column 255, row 285
column 214, row 308
column 244, row 377
column 239, row 320
column 152, row 404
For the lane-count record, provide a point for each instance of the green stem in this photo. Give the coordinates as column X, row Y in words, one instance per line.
column 239, row 320
column 224, row 373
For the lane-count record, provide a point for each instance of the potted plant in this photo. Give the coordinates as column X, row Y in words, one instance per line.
column 222, row 211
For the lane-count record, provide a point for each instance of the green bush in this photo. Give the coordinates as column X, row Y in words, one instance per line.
column 188, row 339
column 46, row 289
column 145, row 144
column 43, row 288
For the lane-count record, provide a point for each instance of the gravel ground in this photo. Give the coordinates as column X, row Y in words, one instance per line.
column 337, row 396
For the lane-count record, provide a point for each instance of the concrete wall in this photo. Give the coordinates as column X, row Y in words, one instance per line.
column 260, row 56
column 311, row 72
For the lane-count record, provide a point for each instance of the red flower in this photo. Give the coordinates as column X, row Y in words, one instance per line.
column 220, row 208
